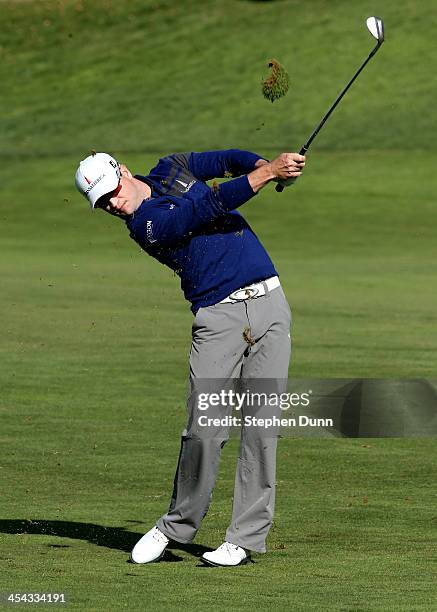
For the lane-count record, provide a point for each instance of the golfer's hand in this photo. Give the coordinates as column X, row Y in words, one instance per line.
column 287, row 166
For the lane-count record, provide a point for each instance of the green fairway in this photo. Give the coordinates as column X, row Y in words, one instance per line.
column 96, row 334
column 94, row 359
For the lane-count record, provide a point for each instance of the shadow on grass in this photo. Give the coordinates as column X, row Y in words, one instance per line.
column 110, row 537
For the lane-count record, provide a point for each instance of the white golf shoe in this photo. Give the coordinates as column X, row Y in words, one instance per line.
column 226, row 555
column 150, row 548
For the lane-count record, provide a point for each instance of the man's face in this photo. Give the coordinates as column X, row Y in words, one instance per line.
column 122, row 201
column 126, row 198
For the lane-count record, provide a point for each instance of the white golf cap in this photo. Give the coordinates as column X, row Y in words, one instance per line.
column 97, row 175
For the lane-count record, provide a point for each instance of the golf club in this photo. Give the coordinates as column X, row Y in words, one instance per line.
column 375, row 26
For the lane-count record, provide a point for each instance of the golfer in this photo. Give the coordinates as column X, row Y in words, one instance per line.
column 241, row 328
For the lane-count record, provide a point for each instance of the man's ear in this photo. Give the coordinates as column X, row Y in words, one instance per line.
column 125, row 171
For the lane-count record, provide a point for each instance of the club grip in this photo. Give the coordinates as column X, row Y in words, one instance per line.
column 280, row 188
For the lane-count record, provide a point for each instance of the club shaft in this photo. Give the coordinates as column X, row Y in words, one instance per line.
column 338, row 99
column 307, row 145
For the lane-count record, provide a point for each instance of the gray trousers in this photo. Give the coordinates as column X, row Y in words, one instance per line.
column 249, row 339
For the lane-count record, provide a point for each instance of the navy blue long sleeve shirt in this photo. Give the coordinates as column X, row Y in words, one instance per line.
column 195, row 230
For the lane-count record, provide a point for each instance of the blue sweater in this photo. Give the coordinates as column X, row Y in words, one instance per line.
column 195, row 230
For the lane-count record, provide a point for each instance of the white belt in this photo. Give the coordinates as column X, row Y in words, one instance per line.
column 252, row 291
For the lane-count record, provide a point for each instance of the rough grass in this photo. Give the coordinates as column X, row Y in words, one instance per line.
column 146, row 75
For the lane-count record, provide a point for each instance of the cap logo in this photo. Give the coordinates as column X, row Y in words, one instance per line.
column 94, row 183
column 87, row 180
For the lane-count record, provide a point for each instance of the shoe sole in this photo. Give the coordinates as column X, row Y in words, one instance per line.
column 147, row 562
column 208, row 562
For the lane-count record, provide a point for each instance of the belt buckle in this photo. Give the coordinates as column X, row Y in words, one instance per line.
column 246, row 293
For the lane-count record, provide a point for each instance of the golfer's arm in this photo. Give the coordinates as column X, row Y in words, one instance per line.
column 261, row 176
column 219, row 164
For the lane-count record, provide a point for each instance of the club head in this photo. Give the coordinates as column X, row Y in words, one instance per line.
column 375, row 25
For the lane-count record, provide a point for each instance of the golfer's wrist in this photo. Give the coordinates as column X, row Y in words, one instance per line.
column 261, row 162
column 261, row 176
